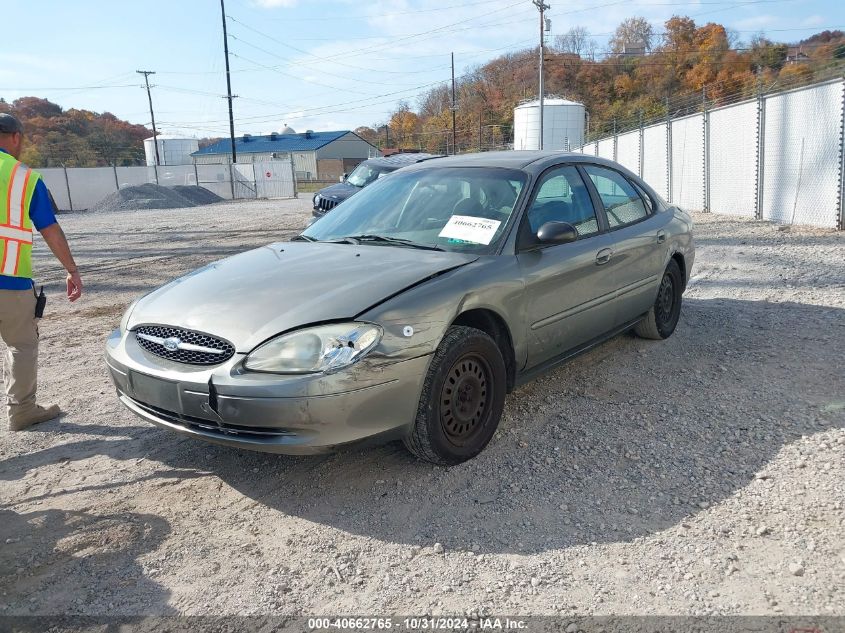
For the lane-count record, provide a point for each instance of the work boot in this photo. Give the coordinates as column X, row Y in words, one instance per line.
column 37, row 415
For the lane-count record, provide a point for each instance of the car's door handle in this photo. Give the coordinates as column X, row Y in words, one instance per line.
column 661, row 237
column 603, row 256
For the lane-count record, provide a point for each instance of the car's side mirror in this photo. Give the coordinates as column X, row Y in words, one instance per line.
column 343, row 177
column 556, row 233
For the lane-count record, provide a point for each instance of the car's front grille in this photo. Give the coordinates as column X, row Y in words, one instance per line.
column 325, row 204
column 184, row 346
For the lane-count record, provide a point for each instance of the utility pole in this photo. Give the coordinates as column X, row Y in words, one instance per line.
column 228, row 83
column 147, row 74
column 542, row 6
column 454, row 108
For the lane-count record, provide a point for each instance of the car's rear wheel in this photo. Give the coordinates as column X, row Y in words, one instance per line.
column 462, row 398
column 663, row 317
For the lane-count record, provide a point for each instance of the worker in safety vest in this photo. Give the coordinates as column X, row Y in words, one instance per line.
column 24, row 203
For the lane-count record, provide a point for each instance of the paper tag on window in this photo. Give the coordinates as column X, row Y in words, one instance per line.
column 466, row 227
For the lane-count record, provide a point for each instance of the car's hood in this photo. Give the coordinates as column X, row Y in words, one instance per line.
column 253, row 296
column 339, row 191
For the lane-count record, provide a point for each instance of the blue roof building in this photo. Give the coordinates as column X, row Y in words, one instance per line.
column 316, row 155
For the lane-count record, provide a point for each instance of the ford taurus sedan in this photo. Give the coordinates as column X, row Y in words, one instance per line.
column 411, row 310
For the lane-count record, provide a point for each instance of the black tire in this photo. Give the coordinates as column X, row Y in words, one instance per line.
column 663, row 317
column 449, row 430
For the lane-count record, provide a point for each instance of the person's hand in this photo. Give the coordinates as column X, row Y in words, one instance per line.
column 74, row 285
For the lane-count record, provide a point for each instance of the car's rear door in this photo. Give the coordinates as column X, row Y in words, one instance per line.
column 568, row 289
column 639, row 239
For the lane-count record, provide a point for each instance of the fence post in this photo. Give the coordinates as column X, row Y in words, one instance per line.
column 615, row 142
column 255, row 179
column 67, row 185
column 841, row 200
column 116, row 181
column 232, row 179
column 293, row 176
column 706, row 121
column 668, row 152
column 155, row 171
column 641, row 157
column 196, row 175
column 761, row 151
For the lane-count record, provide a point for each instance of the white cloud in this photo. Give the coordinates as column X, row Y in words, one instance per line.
column 813, row 20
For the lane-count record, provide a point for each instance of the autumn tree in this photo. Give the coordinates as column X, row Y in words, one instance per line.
column 632, row 32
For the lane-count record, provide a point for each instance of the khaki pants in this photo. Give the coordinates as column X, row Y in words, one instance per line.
column 19, row 331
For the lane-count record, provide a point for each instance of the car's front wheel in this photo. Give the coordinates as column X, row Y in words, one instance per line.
column 663, row 317
column 462, row 398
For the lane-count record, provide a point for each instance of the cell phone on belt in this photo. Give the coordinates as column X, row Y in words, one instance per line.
column 40, row 303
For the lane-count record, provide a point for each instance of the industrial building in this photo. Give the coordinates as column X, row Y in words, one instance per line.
column 316, row 155
column 563, row 124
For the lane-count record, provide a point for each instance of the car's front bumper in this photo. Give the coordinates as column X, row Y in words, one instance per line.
column 267, row 412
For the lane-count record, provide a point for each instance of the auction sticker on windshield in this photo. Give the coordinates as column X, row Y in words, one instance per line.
column 470, row 229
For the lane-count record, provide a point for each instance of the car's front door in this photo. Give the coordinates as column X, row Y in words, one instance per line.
column 568, row 289
column 639, row 240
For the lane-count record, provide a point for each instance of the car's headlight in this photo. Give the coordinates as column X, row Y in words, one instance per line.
column 321, row 349
column 316, row 199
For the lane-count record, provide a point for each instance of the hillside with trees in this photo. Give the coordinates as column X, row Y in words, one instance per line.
column 75, row 138
column 642, row 75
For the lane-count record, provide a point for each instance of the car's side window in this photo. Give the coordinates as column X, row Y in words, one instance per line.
column 649, row 203
column 563, row 197
column 622, row 204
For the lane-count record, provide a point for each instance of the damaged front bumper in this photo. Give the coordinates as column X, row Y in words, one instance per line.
column 294, row 414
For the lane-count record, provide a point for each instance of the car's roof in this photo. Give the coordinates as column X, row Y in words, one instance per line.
column 513, row 159
column 400, row 160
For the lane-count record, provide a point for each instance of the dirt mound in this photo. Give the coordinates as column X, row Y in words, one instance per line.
column 152, row 196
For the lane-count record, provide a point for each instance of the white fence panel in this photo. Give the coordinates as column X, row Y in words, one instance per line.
column 688, row 162
column 274, row 179
column 89, row 185
column 244, row 180
column 801, row 155
column 172, row 175
column 590, row 148
column 134, row 176
column 215, row 178
column 606, row 148
column 628, row 150
column 54, row 178
column 733, row 159
column 655, row 164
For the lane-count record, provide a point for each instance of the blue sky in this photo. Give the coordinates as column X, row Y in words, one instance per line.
column 327, row 65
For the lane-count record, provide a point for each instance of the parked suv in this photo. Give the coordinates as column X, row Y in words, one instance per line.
column 367, row 172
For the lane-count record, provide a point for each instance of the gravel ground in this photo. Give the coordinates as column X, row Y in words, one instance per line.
column 699, row 475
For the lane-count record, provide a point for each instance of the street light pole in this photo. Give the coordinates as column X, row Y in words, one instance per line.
column 542, row 6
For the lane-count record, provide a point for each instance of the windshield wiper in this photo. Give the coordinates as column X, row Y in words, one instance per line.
column 382, row 239
column 302, row 238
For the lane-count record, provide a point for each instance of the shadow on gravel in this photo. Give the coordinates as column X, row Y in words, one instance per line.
column 625, row 441
column 630, row 439
column 43, row 549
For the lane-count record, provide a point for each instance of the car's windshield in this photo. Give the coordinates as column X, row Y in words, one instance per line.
column 453, row 208
column 364, row 174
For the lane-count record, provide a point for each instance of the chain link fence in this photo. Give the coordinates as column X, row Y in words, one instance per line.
column 777, row 157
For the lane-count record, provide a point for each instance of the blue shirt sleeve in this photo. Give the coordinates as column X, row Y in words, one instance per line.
column 41, row 210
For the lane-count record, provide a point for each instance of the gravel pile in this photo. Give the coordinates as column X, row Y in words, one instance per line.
column 152, row 196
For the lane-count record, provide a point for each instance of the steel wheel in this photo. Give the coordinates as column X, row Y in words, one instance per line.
column 463, row 399
column 665, row 304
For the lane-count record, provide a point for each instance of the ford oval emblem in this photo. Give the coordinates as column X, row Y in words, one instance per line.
column 171, row 344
